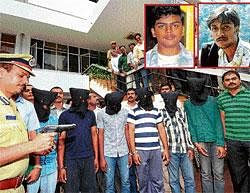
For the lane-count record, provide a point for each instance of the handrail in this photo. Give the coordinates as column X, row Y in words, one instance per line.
column 150, row 74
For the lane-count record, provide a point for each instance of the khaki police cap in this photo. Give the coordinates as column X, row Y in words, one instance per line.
column 24, row 61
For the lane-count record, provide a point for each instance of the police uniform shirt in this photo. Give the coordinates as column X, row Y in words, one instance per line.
column 12, row 131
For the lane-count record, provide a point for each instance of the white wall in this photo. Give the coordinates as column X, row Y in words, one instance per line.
column 22, row 43
column 46, row 79
column 53, row 17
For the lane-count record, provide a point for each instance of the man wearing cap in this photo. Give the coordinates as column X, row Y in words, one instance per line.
column 15, row 148
column 78, row 148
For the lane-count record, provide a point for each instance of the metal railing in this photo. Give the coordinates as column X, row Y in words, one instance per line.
column 155, row 78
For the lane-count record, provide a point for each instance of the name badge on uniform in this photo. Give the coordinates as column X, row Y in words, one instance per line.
column 10, row 117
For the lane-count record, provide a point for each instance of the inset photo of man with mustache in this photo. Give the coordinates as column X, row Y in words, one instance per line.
column 224, row 35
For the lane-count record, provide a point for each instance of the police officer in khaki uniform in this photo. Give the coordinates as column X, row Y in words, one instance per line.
column 15, row 148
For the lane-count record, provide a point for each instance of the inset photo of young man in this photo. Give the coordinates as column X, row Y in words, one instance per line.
column 224, row 35
column 169, row 36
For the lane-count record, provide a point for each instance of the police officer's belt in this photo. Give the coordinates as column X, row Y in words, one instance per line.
column 11, row 183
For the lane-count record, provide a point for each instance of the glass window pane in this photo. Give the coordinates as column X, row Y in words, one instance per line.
column 93, row 57
column 73, row 50
column 62, row 48
column 102, row 59
column 84, row 51
column 85, row 61
column 62, row 61
column 73, row 63
column 49, row 59
column 8, row 43
column 8, row 38
column 50, row 46
column 39, row 59
column 39, row 43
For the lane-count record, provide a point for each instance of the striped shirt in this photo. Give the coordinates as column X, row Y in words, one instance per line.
column 237, row 114
column 179, row 139
column 146, row 132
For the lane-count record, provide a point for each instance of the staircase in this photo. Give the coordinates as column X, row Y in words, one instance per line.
column 102, row 86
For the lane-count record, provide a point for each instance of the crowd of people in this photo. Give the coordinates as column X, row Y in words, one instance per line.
column 137, row 141
column 127, row 146
column 128, row 68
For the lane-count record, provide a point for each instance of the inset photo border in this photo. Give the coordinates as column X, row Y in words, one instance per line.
column 224, row 35
column 169, row 33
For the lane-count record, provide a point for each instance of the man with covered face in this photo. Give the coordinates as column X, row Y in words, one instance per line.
column 145, row 129
column 113, row 142
column 78, row 148
column 48, row 176
column 207, row 135
column 180, row 144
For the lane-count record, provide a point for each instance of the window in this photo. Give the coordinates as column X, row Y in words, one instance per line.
column 62, row 57
column 8, row 42
column 73, row 63
column 54, row 56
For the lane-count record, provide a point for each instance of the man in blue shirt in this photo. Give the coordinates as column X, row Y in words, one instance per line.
column 78, row 148
column 48, row 177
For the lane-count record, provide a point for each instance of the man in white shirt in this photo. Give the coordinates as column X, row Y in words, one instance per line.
column 229, row 49
column 168, row 29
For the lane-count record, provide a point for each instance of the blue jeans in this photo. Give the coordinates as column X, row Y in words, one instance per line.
column 238, row 158
column 150, row 175
column 46, row 183
column 122, row 164
column 144, row 75
column 80, row 175
column 141, row 74
column 132, row 179
column 181, row 161
column 212, row 170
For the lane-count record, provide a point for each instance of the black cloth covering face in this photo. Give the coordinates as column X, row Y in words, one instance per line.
column 145, row 98
column 198, row 95
column 42, row 101
column 170, row 100
column 113, row 102
column 79, row 101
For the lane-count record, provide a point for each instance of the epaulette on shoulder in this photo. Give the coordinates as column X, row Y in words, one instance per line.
column 4, row 101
